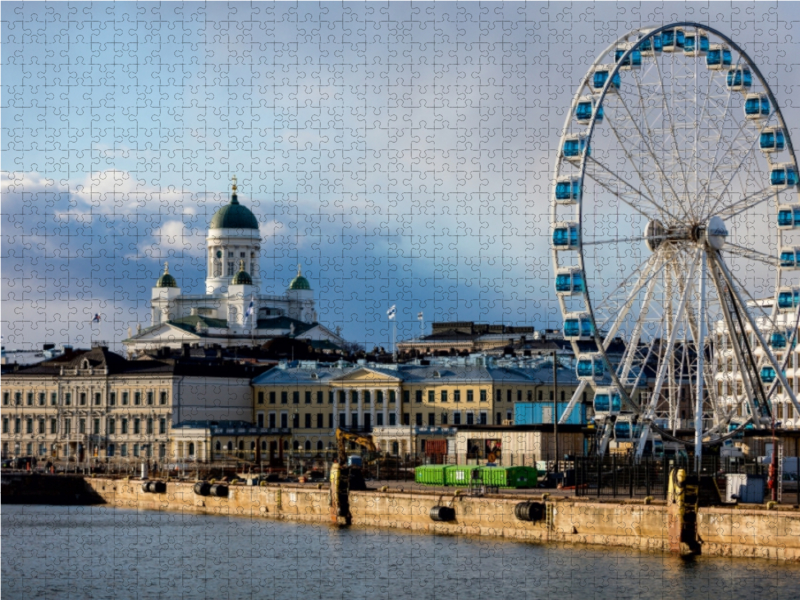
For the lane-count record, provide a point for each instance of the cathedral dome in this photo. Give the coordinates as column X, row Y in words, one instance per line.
column 166, row 280
column 242, row 277
column 234, row 216
column 299, row 282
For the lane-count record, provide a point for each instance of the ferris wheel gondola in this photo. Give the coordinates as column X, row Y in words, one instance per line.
column 676, row 227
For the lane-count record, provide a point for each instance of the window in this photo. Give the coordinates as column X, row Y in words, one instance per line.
column 551, row 395
column 67, row 426
column 330, row 420
column 562, row 396
column 284, row 397
column 123, row 450
column 508, row 395
column 431, row 396
column 53, row 399
column 41, row 426
column 96, row 426
column 191, row 448
column 260, row 419
column 419, row 419
column 418, row 396
column 406, row 396
column 320, row 397
column 81, row 425
column 6, row 397
column 444, row 418
column 431, row 419
column 261, row 397
column 124, row 427
column 284, row 420
column 149, row 398
column 319, row 421
column 230, row 268
column 295, row 397
column 29, row 399
column 112, row 399
column 272, row 419
column 41, row 399
column 296, row 421
column 483, row 417
column 18, row 425
column 483, row 395
column 5, row 424
column 457, row 396
column 519, row 395
column 530, row 395
column 443, row 395
column 149, row 426
column 162, row 425
column 539, row 396
column 330, row 397
column 319, row 445
column 137, row 398
column 110, row 450
column 379, row 397
column 498, row 396
column 82, row 399
column 162, row 398
column 272, row 397
column 97, row 399
column 470, row 396
column 29, row 425
column 392, row 396
column 392, row 419
column 67, row 399
column 53, row 426
column 137, row 426
column 112, row 426
column 308, row 421
column 406, row 419
column 124, row 398
column 308, row 397
column 379, row 419
column 457, row 418
column 136, row 449
column 470, row 418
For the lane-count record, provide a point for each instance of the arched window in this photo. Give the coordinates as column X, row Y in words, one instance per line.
column 252, row 445
column 191, row 448
column 263, row 446
column 308, row 445
column 296, row 445
column 230, row 446
column 395, row 448
column 285, row 444
column 218, row 446
column 241, row 446
column 319, row 445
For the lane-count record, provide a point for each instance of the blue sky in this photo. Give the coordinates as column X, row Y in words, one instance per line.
column 400, row 152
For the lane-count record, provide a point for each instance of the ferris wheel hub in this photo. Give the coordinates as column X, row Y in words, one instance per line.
column 715, row 233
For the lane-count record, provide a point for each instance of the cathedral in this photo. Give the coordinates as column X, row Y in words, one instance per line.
column 233, row 311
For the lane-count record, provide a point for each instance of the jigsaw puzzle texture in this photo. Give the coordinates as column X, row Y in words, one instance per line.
column 398, row 156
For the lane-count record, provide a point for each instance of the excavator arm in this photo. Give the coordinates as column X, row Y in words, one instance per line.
column 342, row 437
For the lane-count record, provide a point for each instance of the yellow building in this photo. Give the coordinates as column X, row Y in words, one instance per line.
column 399, row 402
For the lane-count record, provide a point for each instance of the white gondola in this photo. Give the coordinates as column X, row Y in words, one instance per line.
column 673, row 39
column 651, row 46
column 570, row 281
column 789, row 216
column 625, row 430
column 566, row 236
column 790, row 258
column 634, row 59
column 578, row 326
column 568, row 190
column 589, row 367
column 601, row 75
column 719, row 57
column 586, row 108
column 772, row 139
column 607, row 401
column 695, row 44
column 739, row 79
column 575, row 145
column 756, row 106
column 788, row 298
column 783, row 176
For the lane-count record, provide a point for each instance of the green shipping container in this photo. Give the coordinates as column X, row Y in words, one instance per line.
column 430, row 474
column 510, row 477
column 459, row 475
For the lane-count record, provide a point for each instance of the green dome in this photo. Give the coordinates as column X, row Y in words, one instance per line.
column 233, row 216
column 242, row 277
column 166, row 280
column 299, row 282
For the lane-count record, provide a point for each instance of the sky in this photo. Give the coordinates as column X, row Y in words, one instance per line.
column 401, row 152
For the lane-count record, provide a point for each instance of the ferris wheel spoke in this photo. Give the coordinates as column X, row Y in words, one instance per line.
column 639, row 238
column 751, row 254
column 755, row 304
column 748, row 202
column 645, row 271
column 632, row 346
column 650, row 151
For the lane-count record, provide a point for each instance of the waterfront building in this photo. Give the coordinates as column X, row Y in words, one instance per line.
column 226, row 441
column 233, row 311
column 95, row 404
column 400, row 404
column 468, row 337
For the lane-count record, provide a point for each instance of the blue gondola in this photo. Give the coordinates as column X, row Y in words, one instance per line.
column 718, row 57
column 585, row 109
column 788, row 299
column 565, row 236
column 756, row 106
column 651, row 46
column 790, row 258
column 589, row 366
column 625, row 431
column 568, row 190
column 673, row 39
column 783, row 176
column 575, row 146
column 740, row 79
column 772, row 139
column 570, row 281
column 578, row 326
column 607, row 401
column 768, row 374
column 634, row 59
column 692, row 48
column 601, row 76
column 789, row 216
column 777, row 340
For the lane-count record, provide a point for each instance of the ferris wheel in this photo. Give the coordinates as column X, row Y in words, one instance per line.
column 676, row 241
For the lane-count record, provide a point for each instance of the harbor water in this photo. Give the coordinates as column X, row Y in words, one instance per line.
column 96, row 552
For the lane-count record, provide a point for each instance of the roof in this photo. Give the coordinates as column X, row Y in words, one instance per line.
column 233, row 216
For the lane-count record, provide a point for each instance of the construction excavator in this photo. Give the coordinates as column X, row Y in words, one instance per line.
column 346, row 475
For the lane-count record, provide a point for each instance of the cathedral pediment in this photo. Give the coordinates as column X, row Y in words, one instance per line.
column 366, row 375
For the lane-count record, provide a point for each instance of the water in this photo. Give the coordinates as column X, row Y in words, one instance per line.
column 95, row 552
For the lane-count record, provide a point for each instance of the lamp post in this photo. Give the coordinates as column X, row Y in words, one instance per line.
column 555, row 406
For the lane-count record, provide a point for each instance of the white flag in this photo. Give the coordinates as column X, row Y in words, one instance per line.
column 249, row 312
column 419, row 316
column 392, row 312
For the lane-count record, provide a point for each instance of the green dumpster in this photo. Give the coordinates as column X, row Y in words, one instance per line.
column 459, row 475
column 430, row 474
column 510, row 477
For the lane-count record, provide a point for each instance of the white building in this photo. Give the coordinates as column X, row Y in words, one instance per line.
column 233, row 311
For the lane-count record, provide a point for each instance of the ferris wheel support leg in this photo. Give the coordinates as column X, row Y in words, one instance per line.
column 698, row 410
column 609, row 427
column 572, row 402
column 787, row 389
column 662, row 371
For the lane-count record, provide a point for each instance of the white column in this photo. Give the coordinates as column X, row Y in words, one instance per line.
column 373, row 397
column 398, row 407
column 335, row 408
column 385, row 392
column 360, row 407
